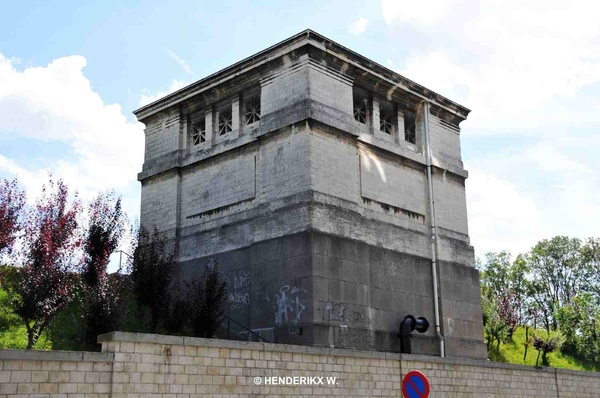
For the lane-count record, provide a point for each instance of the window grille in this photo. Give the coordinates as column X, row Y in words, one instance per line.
column 225, row 122
column 360, row 111
column 252, row 111
column 385, row 122
column 410, row 130
column 199, row 133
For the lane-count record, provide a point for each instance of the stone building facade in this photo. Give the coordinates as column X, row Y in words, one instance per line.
column 303, row 170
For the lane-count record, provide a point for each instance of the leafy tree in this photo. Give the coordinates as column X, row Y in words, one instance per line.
column 102, row 309
column 45, row 284
column 207, row 297
column 556, row 276
column 12, row 201
column 580, row 324
column 494, row 327
column 546, row 342
column 503, row 281
column 590, row 253
column 152, row 269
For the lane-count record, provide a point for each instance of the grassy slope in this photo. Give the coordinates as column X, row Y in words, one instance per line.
column 12, row 329
column 513, row 351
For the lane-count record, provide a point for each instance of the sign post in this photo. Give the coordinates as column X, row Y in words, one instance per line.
column 415, row 385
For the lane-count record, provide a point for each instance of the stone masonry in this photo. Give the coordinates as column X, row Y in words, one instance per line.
column 155, row 366
column 302, row 170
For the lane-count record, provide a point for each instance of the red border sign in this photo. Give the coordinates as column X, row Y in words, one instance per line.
column 415, row 385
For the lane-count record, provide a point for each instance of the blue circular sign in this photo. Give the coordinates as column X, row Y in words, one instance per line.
column 415, row 385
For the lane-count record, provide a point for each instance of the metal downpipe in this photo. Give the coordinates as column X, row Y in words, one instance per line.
column 433, row 231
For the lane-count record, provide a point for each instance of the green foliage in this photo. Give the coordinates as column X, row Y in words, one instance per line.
column 206, row 300
column 580, row 323
column 494, row 328
column 556, row 286
column 512, row 352
column 67, row 330
column 556, row 273
column 13, row 333
column 152, row 271
column 102, row 308
column 545, row 342
column 503, row 292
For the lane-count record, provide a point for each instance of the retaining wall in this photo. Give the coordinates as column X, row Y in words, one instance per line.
column 142, row 365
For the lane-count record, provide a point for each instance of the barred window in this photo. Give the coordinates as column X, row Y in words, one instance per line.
column 360, row 111
column 385, row 121
column 410, row 130
column 199, row 132
column 225, row 122
column 252, row 110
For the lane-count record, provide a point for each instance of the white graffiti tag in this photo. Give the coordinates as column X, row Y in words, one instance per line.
column 285, row 303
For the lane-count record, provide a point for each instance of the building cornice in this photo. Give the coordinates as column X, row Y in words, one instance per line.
column 326, row 46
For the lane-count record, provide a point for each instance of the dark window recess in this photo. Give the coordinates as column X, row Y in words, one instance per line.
column 225, row 122
column 252, row 113
column 199, row 133
column 360, row 111
column 385, row 122
column 409, row 130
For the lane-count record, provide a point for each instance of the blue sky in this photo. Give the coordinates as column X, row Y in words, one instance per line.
column 71, row 74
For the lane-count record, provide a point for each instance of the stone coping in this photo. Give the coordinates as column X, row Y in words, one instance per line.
column 73, row 356
column 272, row 347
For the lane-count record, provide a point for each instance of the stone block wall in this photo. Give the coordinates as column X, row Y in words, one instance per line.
column 55, row 374
column 154, row 366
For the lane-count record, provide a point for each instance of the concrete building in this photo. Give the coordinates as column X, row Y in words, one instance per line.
column 303, row 169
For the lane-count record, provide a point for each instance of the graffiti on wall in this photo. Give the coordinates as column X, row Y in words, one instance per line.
column 239, row 288
column 333, row 311
column 289, row 306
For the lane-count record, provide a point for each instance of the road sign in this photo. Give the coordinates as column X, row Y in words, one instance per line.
column 415, row 385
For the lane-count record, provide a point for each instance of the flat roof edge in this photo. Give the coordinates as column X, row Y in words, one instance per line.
column 301, row 39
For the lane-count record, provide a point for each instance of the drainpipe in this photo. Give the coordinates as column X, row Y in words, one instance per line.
column 433, row 231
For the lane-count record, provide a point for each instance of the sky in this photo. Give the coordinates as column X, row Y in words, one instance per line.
column 72, row 73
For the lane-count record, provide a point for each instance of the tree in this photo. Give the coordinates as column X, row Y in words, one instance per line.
column 152, row 269
column 546, row 344
column 102, row 309
column 556, row 271
column 12, row 201
column 580, row 324
column 503, row 281
column 590, row 253
column 45, row 283
column 206, row 300
column 494, row 327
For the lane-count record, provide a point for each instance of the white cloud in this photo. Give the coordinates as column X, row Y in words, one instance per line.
column 530, row 71
column 359, row 26
column 57, row 103
column 147, row 98
column 425, row 12
column 186, row 67
column 500, row 217
column 504, row 59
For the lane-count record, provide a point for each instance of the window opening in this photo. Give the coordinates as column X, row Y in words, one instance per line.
column 199, row 133
column 225, row 122
column 360, row 111
column 252, row 113
column 385, row 122
column 410, row 130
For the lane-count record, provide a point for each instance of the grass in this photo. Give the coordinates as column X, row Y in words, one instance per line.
column 513, row 351
column 13, row 333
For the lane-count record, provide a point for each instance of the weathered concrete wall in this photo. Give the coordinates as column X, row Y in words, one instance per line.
column 316, row 289
column 154, row 366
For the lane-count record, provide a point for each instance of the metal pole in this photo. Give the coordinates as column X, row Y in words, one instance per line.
column 436, row 308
